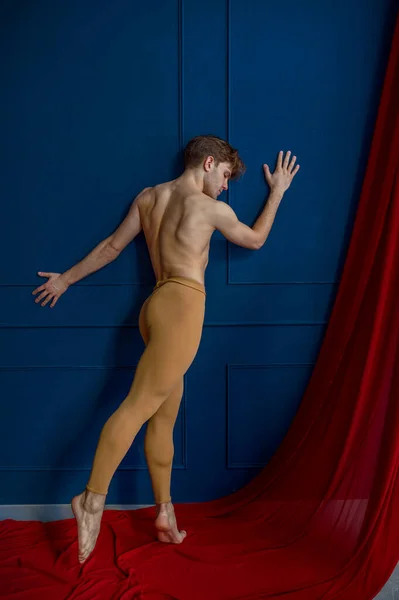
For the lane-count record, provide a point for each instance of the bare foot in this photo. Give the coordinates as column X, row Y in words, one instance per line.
column 166, row 524
column 88, row 509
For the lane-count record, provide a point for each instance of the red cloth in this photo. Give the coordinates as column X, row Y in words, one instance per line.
column 321, row 521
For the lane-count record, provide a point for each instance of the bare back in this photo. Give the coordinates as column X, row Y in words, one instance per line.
column 177, row 228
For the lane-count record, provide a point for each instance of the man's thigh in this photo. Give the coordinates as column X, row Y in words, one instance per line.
column 174, row 317
column 161, row 367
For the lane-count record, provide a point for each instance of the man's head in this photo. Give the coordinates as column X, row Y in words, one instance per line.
column 215, row 160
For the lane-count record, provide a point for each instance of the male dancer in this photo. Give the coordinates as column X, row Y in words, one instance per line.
column 178, row 218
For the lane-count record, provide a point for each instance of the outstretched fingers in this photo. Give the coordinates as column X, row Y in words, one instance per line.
column 286, row 160
column 45, row 292
column 38, row 289
column 291, row 165
column 295, row 171
column 285, row 171
column 49, row 297
column 42, row 295
column 285, row 164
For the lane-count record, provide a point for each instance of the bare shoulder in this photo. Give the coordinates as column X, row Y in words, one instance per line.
column 144, row 195
column 155, row 190
column 219, row 211
column 216, row 211
column 224, row 219
column 206, row 205
column 146, row 191
column 204, row 200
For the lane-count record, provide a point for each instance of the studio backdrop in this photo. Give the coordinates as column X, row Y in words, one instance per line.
column 98, row 100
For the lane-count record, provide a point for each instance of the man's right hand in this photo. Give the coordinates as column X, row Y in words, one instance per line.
column 53, row 288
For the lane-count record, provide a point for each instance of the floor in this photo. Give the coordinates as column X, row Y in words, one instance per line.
column 52, row 512
column 390, row 591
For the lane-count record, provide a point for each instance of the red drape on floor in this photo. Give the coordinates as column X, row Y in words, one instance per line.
column 321, row 521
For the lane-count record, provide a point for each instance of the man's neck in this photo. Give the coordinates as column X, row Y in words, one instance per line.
column 193, row 178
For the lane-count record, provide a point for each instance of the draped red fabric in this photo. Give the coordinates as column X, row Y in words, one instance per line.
column 321, row 521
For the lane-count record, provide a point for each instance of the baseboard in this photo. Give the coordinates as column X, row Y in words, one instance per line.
column 51, row 512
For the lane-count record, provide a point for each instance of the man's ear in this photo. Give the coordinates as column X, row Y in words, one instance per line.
column 209, row 161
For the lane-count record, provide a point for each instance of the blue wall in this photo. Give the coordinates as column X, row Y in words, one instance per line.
column 98, row 99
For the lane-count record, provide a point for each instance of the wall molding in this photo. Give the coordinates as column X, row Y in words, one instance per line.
column 210, row 324
column 182, row 466
column 180, row 144
column 230, row 282
column 77, row 284
column 150, row 285
column 228, row 127
column 180, row 63
column 231, row 367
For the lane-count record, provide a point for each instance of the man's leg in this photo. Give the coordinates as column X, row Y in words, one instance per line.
column 175, row 318
column 158, row 444
column 116, row 437
column 158, row 441
column 159, row 451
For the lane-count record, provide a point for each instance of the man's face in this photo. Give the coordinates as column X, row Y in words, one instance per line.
column 216, row 177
